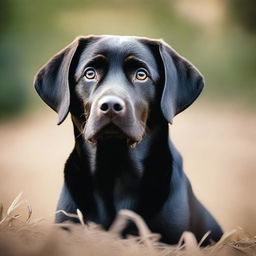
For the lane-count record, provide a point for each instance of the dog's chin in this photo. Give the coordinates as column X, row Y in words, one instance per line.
column 112, row 132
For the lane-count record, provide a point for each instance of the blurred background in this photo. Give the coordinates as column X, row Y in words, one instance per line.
column 216, row 135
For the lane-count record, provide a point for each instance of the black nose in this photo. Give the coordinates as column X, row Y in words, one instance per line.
column 111, row 106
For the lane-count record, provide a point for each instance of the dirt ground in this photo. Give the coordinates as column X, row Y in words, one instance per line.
column 217, row 142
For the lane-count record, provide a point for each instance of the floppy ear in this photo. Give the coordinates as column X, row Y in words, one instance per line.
column 52, row 80
column 183, row 82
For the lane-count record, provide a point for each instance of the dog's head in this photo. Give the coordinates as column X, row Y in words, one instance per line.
column 112, row 84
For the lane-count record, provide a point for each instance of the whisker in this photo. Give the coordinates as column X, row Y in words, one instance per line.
column 84, row 114
column 78, row 135
column 81, row 128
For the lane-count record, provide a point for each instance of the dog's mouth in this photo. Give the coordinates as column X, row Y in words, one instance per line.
column 112, row 131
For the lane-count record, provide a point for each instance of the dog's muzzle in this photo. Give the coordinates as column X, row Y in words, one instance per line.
column 113, row 117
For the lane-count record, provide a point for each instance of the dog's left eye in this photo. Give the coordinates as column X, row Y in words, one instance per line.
column 90, row 73
column 141, row 74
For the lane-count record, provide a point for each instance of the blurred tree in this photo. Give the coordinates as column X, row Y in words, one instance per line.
column 4, row 14
column 244, row 11
column 13, row 93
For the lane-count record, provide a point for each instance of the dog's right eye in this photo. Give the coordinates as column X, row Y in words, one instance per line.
column 90, row 73
column 141, row 74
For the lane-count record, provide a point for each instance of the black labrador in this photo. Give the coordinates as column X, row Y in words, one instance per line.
column 122, row 93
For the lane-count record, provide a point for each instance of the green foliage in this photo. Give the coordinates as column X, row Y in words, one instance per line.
column 32, row 31
column 13, row 93
column 244, row 12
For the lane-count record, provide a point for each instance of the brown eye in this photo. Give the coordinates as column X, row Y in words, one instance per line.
column 141, row 74
column 90, row 73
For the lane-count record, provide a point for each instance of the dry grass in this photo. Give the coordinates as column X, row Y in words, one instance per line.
column 20, row 235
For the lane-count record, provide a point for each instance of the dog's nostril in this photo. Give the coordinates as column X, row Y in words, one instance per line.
column 104, row 107
column 111, row 106
column 118, row 107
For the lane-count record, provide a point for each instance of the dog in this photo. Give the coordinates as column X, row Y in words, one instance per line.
column 122, row 93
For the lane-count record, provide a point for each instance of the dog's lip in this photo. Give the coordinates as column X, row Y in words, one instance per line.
column 111, row 130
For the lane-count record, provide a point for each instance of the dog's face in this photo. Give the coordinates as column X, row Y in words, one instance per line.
column 111, row 83
column 116, row 79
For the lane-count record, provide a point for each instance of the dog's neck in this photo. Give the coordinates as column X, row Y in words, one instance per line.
column 112, row 168
column 112, row 159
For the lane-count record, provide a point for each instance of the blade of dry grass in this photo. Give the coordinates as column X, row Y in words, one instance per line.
column 71, row 215
column 1, row 211
column 203, row 238
column 145, row 234
column 16, row 203
column 80, row 217
column 29, row 213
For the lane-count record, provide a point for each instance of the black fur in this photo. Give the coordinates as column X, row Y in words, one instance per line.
column 108, row 170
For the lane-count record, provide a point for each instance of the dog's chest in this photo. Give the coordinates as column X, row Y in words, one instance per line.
column 123, row 193
column 125, row 196
column 116, row 180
